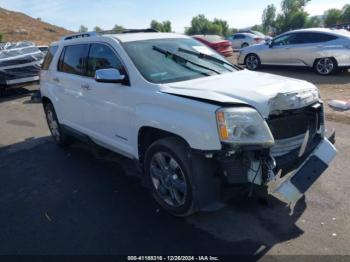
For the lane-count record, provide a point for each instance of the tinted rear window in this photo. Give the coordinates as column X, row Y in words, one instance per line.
column 306, row 38
column 73, row 59
column 49, row 56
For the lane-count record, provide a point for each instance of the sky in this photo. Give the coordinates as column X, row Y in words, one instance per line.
column 71, row 14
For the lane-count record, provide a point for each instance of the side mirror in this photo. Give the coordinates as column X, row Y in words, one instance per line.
column 110, row 75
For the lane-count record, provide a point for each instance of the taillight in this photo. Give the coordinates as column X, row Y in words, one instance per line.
column 257, row 39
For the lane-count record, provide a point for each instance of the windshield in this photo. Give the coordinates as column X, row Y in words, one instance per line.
column 158, row 67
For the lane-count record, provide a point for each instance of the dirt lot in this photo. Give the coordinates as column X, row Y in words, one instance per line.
column 55, row 201
column 336, row 86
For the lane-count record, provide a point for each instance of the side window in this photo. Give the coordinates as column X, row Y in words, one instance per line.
column 49, row 56
column 73, row 59
column 286, row 40
column 102, row 57
column 319, row 37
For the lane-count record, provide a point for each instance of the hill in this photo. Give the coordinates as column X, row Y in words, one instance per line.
column 17, row 26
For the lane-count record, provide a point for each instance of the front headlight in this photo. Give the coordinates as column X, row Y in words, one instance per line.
column 243, row 126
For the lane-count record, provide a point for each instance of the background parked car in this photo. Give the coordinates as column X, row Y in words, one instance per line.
column 241, row 40
column 266, row 37
column 323, row 49
column 217, row 43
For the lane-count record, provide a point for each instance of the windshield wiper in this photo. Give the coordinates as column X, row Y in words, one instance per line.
column 208, row 57
column 179, row 59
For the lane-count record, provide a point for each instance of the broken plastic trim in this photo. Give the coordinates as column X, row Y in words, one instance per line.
column 292, row 188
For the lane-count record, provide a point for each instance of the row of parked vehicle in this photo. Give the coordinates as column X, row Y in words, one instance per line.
column 325, row 50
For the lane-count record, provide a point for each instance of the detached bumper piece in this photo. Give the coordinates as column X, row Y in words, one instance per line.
column 294, row 187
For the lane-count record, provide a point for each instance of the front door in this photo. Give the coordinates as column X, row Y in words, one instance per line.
column 280, row 51
column 107, row 112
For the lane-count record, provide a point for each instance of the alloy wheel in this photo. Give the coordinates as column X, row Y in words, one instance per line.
column 325, row 66
column 168, row 179
column 252, row 62
column 53, row 124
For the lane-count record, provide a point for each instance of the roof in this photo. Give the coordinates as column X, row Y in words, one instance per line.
column 145, row 36
column 323, row 30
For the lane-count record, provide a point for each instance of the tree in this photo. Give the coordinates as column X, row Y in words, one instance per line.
column 83, row 29
column 268, row 18
column 233, row 31
column 313, row 22
column 225, row 30
column 293, row 15
column 161, row 26
column 118, row 28
column 293, row 6
column 1, row 37
column 346, row 14
column 257, row 28
column 166, row 26
column 200, row 25
column 333, row 17
column 98, row 29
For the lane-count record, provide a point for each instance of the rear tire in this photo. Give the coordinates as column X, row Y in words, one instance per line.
column 252, row 62
column 325, row 66
column 56, row 130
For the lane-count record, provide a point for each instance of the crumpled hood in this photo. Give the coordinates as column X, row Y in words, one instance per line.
column 265, row 92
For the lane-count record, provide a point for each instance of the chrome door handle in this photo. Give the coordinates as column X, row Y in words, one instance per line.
column 56, row 79
column 85, row 86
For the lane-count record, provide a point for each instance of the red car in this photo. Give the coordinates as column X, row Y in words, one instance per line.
column 217, row 43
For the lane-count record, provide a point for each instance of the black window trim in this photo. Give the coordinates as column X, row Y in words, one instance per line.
column 115, row 53
column 52, row 58
column 63, row 53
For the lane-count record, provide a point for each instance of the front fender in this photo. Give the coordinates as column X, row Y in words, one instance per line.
column 195, row 124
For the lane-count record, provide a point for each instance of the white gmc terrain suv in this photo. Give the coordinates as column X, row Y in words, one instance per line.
column 191, row 120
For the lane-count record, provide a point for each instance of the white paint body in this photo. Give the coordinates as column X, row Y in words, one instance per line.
column 112, row 114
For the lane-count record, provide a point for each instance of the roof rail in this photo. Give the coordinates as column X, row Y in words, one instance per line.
column 79, row 35
column 129, row 31
column 113, row 31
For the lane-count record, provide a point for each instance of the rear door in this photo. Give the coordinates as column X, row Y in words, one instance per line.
column 70, row 80
column 237, row 41
column 307, row 47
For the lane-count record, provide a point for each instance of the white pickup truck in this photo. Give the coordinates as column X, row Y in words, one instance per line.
column 191, row 120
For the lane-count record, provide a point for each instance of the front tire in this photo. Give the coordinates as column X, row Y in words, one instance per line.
column 167, row 167
column 252, row 62
column 57, row 133
column 325, row 66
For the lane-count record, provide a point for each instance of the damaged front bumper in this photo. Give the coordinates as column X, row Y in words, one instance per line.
column 291, row 188
column 287, row 178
